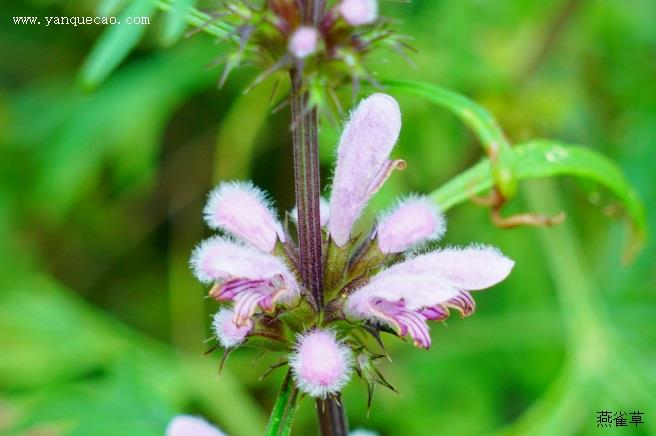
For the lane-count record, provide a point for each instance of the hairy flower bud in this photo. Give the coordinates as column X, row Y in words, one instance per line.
column 227, row 332
column 187, row 425
column 413, row 221
column 321, row 364
column 359, row 12
column 243, row 210
column 303, row 42
column 363, row 162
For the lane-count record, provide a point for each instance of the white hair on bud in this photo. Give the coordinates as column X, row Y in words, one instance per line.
column 321, row 364
column 412, row 221
column 468, row 268
column 220, row 259
column 363, row 162
column 243, row 210
column 227, row 332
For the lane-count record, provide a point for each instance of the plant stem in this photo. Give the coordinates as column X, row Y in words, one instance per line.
column 308, row 190
column 307, row 183
column 332, row 417
column 282, row 415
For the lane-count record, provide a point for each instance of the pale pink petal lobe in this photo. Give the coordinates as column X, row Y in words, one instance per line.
column 227, row 331
column 362, row 161
column 412, row 222
column 471, row 268
column 243, row 210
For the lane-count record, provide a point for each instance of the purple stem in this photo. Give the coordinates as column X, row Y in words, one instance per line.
column 307, row 184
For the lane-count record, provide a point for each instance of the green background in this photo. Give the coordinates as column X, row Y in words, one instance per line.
column 102, row 326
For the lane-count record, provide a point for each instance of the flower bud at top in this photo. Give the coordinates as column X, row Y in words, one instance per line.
column 187, row 425
column 243, row 210
column 412, row 222
column 303, row 42
column 227, row 332
column 321, row 364
column 359, row 12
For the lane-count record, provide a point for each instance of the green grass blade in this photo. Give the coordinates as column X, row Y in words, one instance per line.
column 197, row 18
column 282, row 415
column 107, row 8
column 175, row 21
column 116, row 42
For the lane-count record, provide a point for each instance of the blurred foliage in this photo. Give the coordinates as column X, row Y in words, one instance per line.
column 102, row 325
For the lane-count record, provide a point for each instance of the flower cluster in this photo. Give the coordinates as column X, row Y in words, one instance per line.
column 379, row 281
column 330, row 47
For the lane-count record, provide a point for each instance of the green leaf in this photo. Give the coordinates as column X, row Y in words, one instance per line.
column 476, row 118
column 116, row 42
column 200, row 19
column 175, row 21
column 284, row 410
column 79, row 366
column 108, row 8
column 545, row 158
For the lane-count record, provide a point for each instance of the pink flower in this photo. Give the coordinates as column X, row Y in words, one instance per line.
column 252, row 279
column 359, row 12
column 243, row 210
column 414, row 221
column 363, row 162
column 187, row 425
column 321, row 364
column 303, row 42
column 260, row 275
column 227, row 332
column 407, row 295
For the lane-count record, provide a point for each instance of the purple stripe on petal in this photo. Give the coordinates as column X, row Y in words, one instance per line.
column 245, row 306
column 436, row 313
column 464, row 303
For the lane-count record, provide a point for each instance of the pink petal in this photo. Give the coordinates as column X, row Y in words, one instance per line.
column 243, row 210
column 403, row 320
column 471, row 268
column 220, row 259
column 187, row 425
column 227, row 332
column 413, row 221
column 363, row 162
column 321, row 364
column 418, row 291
